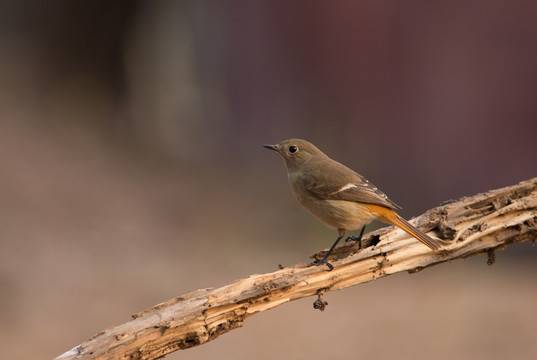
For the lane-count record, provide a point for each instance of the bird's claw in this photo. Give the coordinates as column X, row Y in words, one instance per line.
column 320, row 262
column 358, row 239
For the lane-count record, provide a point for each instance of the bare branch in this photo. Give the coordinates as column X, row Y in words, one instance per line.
column 483, row 223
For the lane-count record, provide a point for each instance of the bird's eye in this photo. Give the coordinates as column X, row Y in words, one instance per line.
column 293, row 149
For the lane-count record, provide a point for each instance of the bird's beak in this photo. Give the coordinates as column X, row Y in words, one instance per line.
column 271, row 147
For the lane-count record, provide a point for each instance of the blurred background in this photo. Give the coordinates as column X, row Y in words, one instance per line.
column 131, row 166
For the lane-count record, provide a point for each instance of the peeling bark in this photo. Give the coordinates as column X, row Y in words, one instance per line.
column 484, row 223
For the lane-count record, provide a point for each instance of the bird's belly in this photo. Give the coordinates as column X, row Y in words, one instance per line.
column 340, row 214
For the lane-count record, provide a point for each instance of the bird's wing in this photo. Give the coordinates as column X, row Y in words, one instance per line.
column 349, row 186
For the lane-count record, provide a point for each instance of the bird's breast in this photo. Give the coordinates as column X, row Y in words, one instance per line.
column 339, row 214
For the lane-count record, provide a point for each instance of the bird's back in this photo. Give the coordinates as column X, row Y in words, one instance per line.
column 328, row 179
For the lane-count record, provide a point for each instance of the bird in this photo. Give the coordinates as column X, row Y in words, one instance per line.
column 338, row 196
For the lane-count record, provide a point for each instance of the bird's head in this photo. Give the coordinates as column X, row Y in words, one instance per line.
column 295, row 152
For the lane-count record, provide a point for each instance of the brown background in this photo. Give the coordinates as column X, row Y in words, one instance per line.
column 131, row 166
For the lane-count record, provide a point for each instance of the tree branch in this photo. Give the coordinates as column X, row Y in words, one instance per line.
column 482, row 223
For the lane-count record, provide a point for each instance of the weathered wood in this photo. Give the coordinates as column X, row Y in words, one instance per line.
column 482, row 223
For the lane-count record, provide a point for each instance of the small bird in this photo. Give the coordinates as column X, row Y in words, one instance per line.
column 338, row 196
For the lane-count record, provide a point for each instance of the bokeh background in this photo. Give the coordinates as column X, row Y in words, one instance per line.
column 131, row 166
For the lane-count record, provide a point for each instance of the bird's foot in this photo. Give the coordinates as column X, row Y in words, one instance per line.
column 358, row 239
column 318, row 262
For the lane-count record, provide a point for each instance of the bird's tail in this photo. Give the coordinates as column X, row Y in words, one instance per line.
column 391, row 217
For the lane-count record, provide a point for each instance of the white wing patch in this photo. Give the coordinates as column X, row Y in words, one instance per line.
column 346, row 187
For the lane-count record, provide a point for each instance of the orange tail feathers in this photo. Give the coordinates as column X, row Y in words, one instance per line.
column 391, row 217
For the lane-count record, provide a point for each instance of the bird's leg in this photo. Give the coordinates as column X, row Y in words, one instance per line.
column 357, row 238
column 323, row 260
